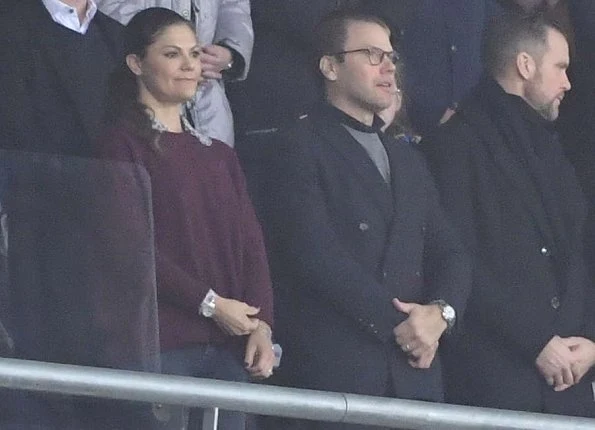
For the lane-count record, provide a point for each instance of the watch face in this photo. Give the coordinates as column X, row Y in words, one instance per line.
column 449, row 313
column 207, row 310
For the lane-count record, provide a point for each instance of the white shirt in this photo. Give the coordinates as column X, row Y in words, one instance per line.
column 67, row 16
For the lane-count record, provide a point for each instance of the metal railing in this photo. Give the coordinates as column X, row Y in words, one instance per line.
column 269, row 400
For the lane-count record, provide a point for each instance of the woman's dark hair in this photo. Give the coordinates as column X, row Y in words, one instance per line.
column 123, row 104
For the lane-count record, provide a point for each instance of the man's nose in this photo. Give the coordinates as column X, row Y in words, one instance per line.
column 566, row 84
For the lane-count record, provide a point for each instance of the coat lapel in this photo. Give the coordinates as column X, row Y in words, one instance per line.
column 511, row 167
column 362, row 165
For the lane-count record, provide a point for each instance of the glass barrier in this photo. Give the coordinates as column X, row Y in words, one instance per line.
column 77, row 282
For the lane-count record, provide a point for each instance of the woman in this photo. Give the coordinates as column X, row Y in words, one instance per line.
column 213, row 284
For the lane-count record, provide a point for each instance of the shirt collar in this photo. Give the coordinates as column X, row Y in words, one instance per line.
column 186, row 126
column 67, row 16
column 351, row 122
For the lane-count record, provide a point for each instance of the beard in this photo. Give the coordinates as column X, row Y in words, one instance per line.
column 547, row 108
column 549, row 111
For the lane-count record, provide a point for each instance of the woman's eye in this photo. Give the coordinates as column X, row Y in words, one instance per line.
column 171, row 54
column 195, row 54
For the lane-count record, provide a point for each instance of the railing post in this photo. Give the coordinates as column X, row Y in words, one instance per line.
column 210, row 418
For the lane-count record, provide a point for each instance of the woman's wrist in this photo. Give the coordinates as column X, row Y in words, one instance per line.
column 264, row 328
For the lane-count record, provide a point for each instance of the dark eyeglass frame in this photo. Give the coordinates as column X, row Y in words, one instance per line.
column 370, row 52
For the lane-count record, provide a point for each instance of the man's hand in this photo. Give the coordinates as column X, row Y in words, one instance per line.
column 214, row 59
column 554, row 362
column 418, row 335
column 235, row 317
column 583, row 354
column 260, row 358
column 426, row 358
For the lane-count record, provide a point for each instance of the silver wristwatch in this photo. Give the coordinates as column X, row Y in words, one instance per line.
column 448, row 313
column 207, row 307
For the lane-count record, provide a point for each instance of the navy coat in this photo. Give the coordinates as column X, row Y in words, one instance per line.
column 528, row 285
column 343, row 244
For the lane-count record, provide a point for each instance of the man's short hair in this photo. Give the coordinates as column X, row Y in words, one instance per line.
column 331, row 31
column 511, row 33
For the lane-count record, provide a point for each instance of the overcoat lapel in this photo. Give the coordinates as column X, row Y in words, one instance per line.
column 362, row 165
column 511, row 167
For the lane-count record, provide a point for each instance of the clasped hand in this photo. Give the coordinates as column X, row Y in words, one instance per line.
column 420, row 333
column 239, row 319
column 564, row 361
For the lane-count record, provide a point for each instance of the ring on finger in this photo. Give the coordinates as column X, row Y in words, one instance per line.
column 407, row 347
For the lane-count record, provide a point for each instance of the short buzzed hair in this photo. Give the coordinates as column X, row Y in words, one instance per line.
column 511, row 33
column 331, row 31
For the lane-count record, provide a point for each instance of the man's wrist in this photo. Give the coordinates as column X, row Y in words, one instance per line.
column 447, row 313
column 235, row 66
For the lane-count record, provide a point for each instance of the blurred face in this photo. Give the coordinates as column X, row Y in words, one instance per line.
column 545, row 90
column 389, row 114
column 355, row 85
column 170, row 72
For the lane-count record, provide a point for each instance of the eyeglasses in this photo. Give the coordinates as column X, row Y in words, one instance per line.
column 375, row 55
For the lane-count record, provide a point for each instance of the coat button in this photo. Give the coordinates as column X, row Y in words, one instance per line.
column 363, row 226
column 545, row 252
column 418, row 274
column 555, row 302
column 186, row 13
column 453, row 48
column 384, row 275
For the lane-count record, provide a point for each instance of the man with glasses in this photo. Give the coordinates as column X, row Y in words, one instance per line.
column 369, row 275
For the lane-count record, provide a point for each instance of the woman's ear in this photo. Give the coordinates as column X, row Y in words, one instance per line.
column 134, row 64
column 327, row 68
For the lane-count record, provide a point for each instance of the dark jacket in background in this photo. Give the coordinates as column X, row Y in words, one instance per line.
column 576, row 124
column 282, row 83
column 440, row 47
column 54, row 94
column 53, row 83
column 521, row 214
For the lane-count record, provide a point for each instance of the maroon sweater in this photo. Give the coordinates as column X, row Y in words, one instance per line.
column 206, row 232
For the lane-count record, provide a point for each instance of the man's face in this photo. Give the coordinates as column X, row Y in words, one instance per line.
column 361, row 88
column 545, row 90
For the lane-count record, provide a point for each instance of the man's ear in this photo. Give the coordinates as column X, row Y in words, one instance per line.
column 328, row 68
column 133, row 63
column 526, row 65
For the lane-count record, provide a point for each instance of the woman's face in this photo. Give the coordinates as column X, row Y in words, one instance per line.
column 170, row 72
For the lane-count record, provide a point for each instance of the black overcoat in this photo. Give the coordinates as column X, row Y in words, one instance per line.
column 525, row 289
column 344, row 243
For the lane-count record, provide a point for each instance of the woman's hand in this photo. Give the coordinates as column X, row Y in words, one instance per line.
column 235, row 317
column 260, row 358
